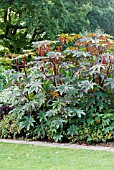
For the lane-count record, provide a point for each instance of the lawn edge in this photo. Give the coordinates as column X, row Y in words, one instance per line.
column 61, row 145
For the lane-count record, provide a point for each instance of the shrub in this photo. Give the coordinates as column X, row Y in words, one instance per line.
column 2, row 79
column 95, row 128
column 62, row 89
column 4, row 110
column 9, row 127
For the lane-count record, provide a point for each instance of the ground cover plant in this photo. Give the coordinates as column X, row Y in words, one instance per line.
column 18, row 156
column 61, row 90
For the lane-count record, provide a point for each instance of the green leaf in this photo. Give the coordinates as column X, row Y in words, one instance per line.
column 40, row 130
column 27, row 122
column 110, row 81
column 72, row 130
column 57, row 137
column 58, row 123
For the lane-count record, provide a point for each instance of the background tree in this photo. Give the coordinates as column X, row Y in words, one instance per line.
column 102, row 16
column 26, row 21
column 23, row 22
column 76, row 12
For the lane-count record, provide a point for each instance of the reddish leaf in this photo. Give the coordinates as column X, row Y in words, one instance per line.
column 41, row 52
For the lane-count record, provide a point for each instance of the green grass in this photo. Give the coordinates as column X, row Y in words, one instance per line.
column 31, row 157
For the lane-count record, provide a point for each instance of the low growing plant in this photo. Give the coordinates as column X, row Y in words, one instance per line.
column 9, row 127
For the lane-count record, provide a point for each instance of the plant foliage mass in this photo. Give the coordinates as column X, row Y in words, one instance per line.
column 63, row 90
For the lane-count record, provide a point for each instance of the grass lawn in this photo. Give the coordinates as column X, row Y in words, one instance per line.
column 32, row 157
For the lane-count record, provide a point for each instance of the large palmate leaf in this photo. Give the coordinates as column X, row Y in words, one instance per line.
column 27, row 122
column 110, row 81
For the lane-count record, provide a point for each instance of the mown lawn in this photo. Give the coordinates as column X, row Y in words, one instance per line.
column 31, row 157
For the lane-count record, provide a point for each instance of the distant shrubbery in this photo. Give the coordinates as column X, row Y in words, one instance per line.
column 62, row 90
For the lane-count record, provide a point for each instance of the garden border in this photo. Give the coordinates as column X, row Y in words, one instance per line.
column 61, row 145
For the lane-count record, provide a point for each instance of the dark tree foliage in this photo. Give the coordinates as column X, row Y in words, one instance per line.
column 23, row 21
column 102, row 16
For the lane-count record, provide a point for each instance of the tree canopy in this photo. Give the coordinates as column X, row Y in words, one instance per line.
column 102, row 16
column 23, row 22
